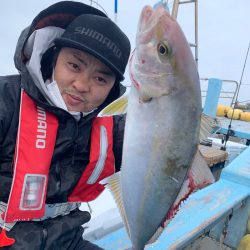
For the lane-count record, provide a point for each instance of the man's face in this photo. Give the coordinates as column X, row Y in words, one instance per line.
column 83, row 80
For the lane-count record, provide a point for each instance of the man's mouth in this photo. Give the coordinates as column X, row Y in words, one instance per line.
column 74, row 100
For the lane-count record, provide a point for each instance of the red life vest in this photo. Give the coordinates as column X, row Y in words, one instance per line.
column 35, row 143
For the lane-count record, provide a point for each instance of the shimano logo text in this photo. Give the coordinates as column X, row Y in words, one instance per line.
column 41, row 128
column 99, row 37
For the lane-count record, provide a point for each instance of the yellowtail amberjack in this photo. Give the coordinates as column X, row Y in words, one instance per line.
column 161, row 162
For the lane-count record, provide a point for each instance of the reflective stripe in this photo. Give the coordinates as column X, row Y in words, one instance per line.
column 58, row 209
column 7, row 226
column 51, row 211
column 102, row 156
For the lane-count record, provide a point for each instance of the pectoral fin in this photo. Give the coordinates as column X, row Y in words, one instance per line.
column 117, row 107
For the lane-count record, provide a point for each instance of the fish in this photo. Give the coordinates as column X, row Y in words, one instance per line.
column 161, row 162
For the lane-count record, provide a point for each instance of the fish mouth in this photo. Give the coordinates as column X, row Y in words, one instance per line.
column 148, row 21
column 152, row 77
column 142, row 73
column 134, row 81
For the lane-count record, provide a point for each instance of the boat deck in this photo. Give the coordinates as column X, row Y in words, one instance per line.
column 240, row 129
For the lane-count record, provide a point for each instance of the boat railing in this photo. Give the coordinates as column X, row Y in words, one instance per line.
column 228, row 92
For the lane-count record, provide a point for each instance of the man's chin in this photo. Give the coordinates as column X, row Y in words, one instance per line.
column 84, row 111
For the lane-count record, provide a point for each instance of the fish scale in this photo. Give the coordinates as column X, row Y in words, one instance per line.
column 157, row 164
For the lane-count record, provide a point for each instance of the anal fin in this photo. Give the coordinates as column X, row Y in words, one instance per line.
column 113, row 184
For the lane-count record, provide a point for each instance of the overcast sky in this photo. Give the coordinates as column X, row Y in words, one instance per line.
column 224, row 34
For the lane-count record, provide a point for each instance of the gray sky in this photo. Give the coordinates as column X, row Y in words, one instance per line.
column 223, row 32
column 224, row 36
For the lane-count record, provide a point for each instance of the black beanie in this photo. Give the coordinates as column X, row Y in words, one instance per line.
column 101, row 37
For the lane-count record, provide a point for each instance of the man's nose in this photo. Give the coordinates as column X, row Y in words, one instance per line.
column 82, row 83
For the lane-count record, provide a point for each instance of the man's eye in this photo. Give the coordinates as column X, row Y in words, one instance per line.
column 101, row 80
column 74, row 66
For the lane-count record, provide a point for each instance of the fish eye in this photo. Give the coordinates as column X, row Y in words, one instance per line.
column 163, row 48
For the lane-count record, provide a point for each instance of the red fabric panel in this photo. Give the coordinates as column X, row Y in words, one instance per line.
column 87, row 192
column 34, row 149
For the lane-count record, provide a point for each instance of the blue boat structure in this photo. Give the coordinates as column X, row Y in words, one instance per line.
column 214, row 217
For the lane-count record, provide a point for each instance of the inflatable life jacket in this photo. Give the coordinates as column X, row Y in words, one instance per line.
column 35, row 143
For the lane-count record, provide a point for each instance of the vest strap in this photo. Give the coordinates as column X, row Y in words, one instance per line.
column 33, row 153
column 58, row 209
column 51, row 211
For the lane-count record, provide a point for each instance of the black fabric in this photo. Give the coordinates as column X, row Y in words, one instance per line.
column 52, row 234
column 71, row 152
column 68, row 10
column 60, row 15
column 70, row 157
column 101, row 37
column 84, row 244
column 48, row 62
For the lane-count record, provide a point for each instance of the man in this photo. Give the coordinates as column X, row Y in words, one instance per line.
column 54, row 149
